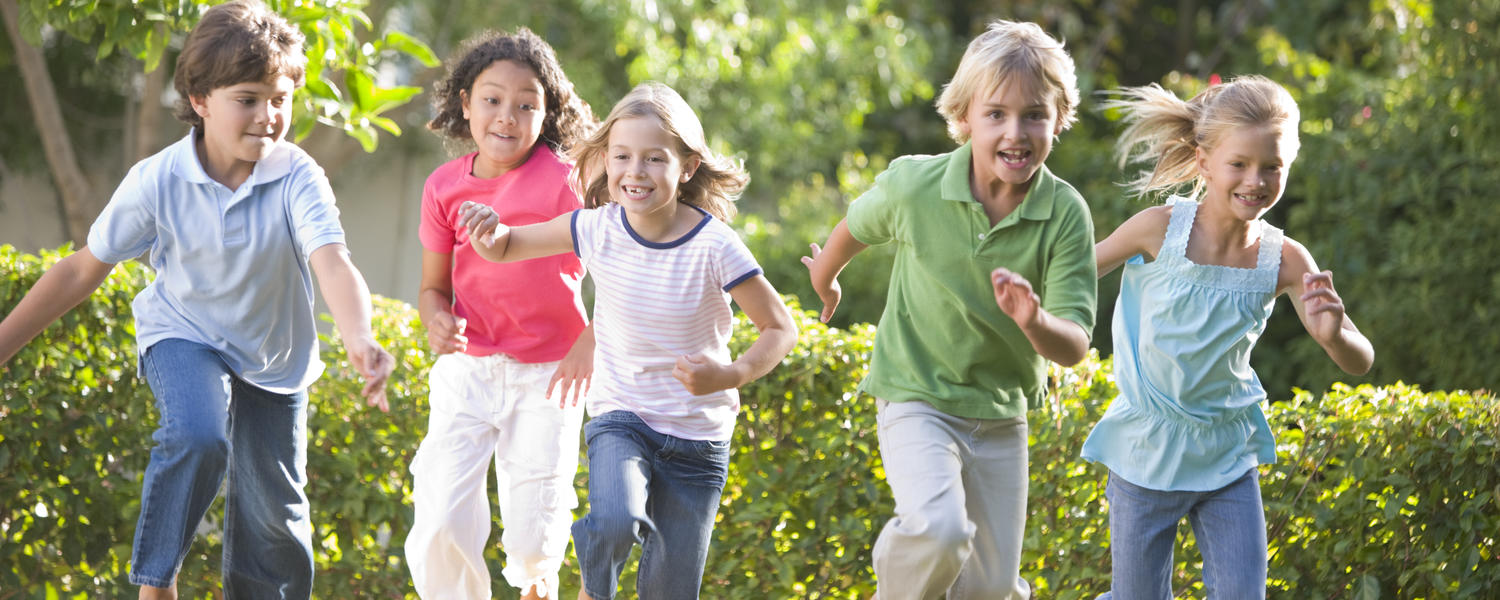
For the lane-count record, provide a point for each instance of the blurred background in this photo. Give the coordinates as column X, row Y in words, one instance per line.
column 1393, row 190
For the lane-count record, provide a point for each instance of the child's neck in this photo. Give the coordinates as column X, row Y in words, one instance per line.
column 998, row 198
column 1224, row 240
column 225, row 169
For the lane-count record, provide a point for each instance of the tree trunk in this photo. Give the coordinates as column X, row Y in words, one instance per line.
column 148, row 120
column 72, row 185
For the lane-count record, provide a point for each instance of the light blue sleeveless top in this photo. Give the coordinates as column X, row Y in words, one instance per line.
column 1188, row 417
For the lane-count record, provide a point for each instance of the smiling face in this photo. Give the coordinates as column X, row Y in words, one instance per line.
column 643, row 165
column 242, row 123
column 506, row 108
column 1246, row 172
column 1011, row 129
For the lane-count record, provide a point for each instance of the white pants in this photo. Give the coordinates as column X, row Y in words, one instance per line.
column 483, row 407
column 960, row 491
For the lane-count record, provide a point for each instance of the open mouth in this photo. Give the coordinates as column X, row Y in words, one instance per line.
column 1014, row 159
column 1250, row 199
column 635, row 192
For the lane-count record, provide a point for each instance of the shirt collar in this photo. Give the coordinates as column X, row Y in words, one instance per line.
column 1037, row 206
column 185, row 164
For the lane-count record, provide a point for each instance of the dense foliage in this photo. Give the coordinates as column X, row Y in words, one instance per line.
column 1382, row 492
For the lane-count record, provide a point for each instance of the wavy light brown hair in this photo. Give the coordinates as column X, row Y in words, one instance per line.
column 715, row 185
column 1166, row 131
column 569, row 119
column 234, row 43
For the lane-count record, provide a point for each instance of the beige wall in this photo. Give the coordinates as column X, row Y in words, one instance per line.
column 379, row 199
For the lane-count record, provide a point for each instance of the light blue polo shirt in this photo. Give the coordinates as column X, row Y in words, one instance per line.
column 231, row 266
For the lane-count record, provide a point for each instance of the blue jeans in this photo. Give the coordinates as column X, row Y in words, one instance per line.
column 653, row 489
column 214, row 424
column 1229, row 526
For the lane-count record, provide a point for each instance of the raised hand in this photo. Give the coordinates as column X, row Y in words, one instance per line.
column 1324, row 307
column 1014, row 296
column 830, row 294
column 481, row 222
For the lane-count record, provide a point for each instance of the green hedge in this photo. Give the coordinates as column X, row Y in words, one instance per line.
column 1382, row 493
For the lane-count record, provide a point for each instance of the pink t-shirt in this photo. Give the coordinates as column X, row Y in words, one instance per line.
column 529, row 310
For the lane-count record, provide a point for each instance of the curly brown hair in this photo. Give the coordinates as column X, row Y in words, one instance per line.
column 234, row 43
column 569, row 119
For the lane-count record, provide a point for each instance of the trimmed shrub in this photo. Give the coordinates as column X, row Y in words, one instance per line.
column 1385, row 492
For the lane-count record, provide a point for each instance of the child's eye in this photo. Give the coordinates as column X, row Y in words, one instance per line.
column 1037, row 116
column 658, row 159
column 995, row 114
column 1236, row 164
column 528, row 107
column 618, row 157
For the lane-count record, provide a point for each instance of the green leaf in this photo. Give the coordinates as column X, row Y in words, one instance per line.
column 411, row 46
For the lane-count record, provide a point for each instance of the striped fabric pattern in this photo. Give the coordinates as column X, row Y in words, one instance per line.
column 653, row 303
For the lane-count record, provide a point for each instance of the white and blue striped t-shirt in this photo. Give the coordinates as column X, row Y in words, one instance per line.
column 655, row 302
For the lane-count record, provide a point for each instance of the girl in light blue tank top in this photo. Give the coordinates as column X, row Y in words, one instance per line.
column 1186, row 434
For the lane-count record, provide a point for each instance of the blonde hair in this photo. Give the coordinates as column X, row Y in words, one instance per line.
column 1005, row 51
column 715, row 185
column 1167, row 131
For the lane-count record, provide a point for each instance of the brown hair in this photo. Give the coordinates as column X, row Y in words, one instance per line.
column 234, row 43
column 1166, row 131
column 569, row 119
column 714, row 186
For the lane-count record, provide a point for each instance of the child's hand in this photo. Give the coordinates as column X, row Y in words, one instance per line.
column 701, row 374
column 1325, row 310
column 445, row 334
column 830, row 294
column 481, row 221
column 375, row 364
column 1014, row 296
column 575, row 373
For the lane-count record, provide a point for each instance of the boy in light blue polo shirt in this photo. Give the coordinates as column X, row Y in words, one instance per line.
column 994, row 275
column 236, row 221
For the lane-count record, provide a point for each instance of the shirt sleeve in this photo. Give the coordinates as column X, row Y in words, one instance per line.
column 736, row 263
column 315, row 217
column 1072, row 276
column 435, row 229
column 874, row 216
column 585, row 232
column 127, row 226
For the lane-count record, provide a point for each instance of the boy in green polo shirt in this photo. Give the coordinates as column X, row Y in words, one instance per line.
column 994, row 275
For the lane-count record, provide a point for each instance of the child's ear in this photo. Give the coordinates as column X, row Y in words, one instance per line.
column 199, row 104
column 690, row 168
column 463, row 103
column 1201, row 160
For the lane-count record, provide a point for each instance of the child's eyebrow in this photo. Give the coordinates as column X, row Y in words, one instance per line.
column 523, row 90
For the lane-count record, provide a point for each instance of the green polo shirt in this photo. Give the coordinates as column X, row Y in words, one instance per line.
column 942, row 339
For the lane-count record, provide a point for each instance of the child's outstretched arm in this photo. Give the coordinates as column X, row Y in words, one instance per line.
column 1056, row 339
column 825, row 264
column 349, row 300
column 1322, row 310
column 778, row 333
column 445, row 332
column 1142, row 233
column 61, row 288
column 498, row 242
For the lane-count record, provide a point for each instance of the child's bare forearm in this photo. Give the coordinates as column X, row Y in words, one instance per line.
column 495, row 251
column 840, row 248
column 773, row 344
column 1056, row 339
column 1351, row 351
column 345, row 291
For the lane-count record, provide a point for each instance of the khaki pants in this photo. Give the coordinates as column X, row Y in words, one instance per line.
column 960, row 490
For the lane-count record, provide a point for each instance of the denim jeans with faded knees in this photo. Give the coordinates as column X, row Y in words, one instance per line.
column 653, row 489
column 211, row 425
column 483, row 409
column 1229, row 527
column 960, row 491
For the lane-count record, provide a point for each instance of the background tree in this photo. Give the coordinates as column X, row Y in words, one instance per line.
column 341, row 88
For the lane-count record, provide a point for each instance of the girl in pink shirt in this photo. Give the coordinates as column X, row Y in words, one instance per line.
column 505, row 333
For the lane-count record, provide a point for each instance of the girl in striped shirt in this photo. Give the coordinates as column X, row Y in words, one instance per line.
column 665, row 266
